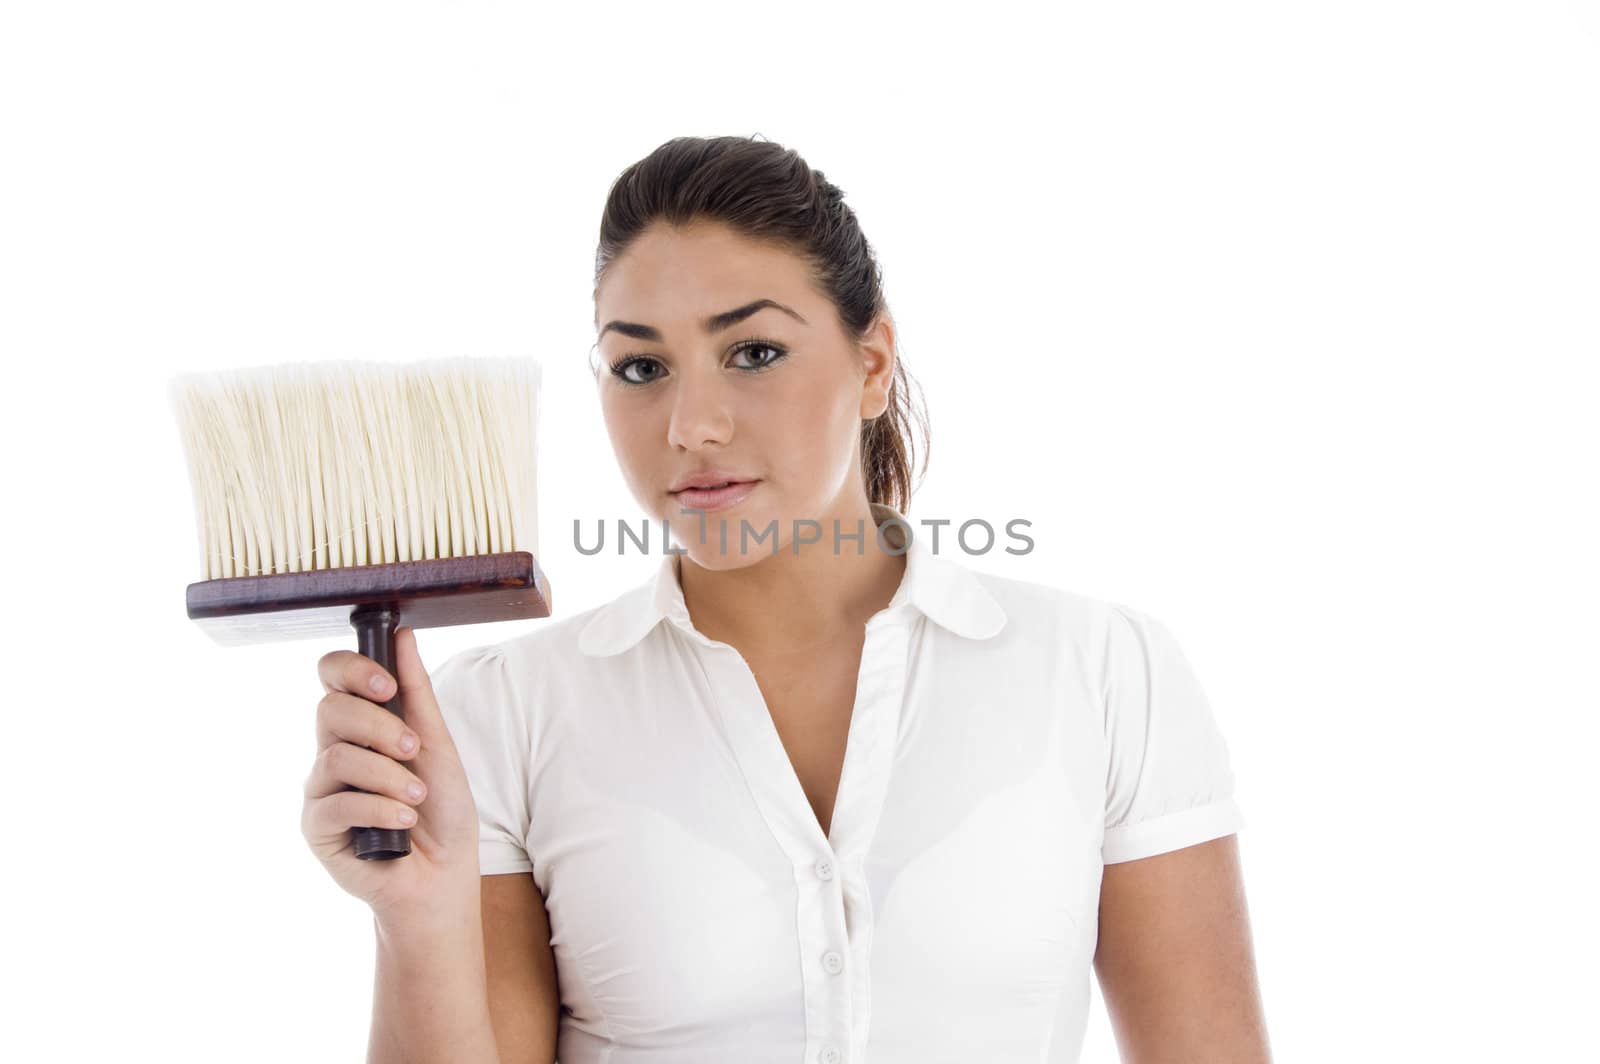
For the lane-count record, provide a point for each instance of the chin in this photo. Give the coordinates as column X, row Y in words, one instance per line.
column 708, row 552
column 711, row 558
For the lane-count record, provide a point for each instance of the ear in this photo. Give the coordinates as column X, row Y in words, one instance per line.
column 877, row 359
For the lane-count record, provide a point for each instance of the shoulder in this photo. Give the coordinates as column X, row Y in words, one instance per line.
column 1097, row 639
column 513, row 685
column 1040, row 611
column 551, row 645
column 570, row 653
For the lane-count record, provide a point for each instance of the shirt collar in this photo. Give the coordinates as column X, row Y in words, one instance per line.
column 945, row 591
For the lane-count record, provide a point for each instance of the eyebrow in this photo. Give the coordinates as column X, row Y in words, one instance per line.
column 715, row 323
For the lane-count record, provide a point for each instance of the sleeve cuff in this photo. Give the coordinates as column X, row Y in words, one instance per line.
column 1174, row 831
column 496, row 858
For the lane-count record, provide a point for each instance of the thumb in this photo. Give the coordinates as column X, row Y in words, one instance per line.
column 418, row 703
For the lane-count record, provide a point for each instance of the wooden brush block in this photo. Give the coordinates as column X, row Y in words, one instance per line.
column 428, row 594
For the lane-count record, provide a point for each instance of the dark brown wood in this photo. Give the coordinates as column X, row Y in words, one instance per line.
column 375, row 630
column 430, row 594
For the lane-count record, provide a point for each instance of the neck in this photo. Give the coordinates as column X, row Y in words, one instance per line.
column 791, row 603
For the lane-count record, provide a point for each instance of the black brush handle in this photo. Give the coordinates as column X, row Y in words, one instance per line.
column 375, row 627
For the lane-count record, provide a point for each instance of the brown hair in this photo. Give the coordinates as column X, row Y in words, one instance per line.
column 768, row 192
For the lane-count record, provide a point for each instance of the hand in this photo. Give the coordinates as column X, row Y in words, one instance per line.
column 360, row 744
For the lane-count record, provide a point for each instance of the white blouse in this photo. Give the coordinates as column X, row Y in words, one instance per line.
column 1007, row 740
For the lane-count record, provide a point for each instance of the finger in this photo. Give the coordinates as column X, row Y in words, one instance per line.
column 343, row 765
column 335, row 814
column 357, row 674
column 346, row 718
column 417, row 700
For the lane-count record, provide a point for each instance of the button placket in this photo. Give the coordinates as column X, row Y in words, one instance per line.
column 874, row 724
column 869, row 764
column 836, row 1000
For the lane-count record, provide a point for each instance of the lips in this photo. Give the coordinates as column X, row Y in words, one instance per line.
column 709, row 478
column 715, row 496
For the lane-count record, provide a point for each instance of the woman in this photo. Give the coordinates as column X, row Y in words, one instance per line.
column 816, row 791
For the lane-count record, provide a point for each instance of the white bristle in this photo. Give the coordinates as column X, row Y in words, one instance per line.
column 323, row 465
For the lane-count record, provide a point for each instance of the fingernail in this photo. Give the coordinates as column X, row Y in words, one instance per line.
column 408, row 742
column 380, row 683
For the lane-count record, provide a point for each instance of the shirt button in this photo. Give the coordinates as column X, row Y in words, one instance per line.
column 832, row 962
column 830, row 1056
column 823, row 868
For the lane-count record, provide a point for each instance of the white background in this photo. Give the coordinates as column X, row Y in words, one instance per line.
column 1276, row 319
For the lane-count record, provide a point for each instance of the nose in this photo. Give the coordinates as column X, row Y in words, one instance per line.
column 700, row 413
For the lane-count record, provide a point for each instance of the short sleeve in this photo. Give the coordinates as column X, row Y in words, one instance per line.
column 1169, row 783
column 490, row 729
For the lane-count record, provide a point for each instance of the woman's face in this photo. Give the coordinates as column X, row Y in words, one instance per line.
column 696, row 375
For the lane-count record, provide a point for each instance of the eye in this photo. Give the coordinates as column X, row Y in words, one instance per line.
column 620, row 368
column 640, row 370
column 776, row 352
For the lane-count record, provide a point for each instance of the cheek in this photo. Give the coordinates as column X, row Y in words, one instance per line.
column 818, row 406
column 813, row 430
column 632, row 435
